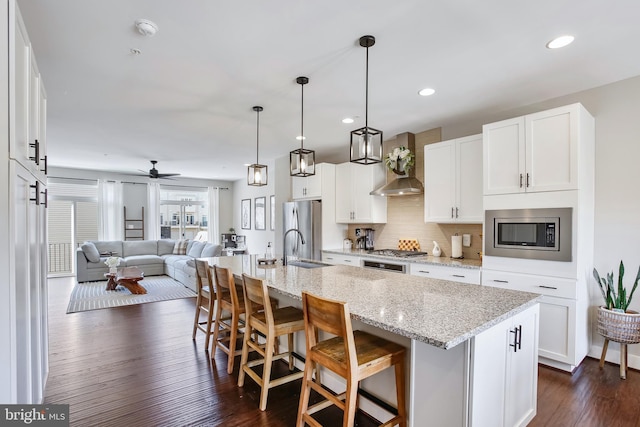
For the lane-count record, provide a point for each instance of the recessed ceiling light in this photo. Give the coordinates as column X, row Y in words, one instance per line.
column 347, row 120
column 559, row 42
column 299, row 138
column 427, row 91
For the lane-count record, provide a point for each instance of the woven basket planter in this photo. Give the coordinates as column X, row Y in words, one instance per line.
column 619, row 327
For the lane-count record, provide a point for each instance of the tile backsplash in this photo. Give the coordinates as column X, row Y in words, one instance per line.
column 405, row 215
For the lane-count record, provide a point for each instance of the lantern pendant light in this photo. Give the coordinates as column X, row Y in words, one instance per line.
column 366, row 142
column 302, row 161
column 257, row 173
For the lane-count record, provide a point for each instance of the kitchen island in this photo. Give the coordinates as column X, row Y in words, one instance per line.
column 472, row 349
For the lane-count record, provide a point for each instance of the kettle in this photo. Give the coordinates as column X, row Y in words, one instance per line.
column 347, row 244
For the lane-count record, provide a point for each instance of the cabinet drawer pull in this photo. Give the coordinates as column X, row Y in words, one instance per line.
column 517, row 339
column 423, row 271
column 347, row 260
column 45, row 165
column 527, row 179
column 547, row 287
column 500, row 281
column 458, row 275
column 520, row 180
column 328, row 258
column 456, row 212
column 452, row 212
column 36, row 156
column 36, row 198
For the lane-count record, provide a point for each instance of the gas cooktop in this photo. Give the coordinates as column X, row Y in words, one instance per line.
column 397, row 253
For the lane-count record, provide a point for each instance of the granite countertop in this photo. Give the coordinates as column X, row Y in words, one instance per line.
column 426, row 259
column 438, row 312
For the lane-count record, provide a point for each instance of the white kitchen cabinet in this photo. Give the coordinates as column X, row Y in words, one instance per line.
column 354, row 204
column 560, row 339
column 308, row 187
column 23, row 268
column 341, row 259
column 453, row 181
column 534, row 153
column 504, row 375
column 452, row 273
column 29, row 109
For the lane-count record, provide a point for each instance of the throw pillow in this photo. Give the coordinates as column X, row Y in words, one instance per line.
column 90, row 252
column 181, row 247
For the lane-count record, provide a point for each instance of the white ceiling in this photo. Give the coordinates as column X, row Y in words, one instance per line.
column 187, row 100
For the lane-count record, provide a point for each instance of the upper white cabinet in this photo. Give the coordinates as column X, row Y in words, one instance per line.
column 309, row 187
column 27, row 146
column 537, row 152
column 453, row 181
column 354, row 204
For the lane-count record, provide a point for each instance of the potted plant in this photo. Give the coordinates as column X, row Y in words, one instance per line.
column 615, row 321
column 400, row 160
column 616, row 301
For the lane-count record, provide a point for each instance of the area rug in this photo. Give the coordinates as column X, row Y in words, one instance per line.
column 93, row 295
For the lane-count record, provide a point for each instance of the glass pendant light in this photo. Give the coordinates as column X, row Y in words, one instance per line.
column 302, row 161
column 366, row 142
column 257, row 173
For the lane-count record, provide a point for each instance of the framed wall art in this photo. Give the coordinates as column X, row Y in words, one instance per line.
column 245, row 214
column 272, row 211
column 260, row 215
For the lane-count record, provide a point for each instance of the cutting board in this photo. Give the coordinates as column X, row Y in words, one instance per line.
column 408, row 245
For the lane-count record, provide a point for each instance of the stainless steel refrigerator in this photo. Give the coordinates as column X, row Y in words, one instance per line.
column 306, row 217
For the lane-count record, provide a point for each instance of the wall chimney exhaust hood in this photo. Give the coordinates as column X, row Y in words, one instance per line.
column 402, row 185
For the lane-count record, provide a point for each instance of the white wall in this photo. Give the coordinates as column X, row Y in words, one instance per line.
column 256, row 240
column 616, row 109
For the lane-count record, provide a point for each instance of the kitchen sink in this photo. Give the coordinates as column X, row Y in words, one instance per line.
column 308, row 264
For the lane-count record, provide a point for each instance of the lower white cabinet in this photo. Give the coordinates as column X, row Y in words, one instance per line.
column 504, row 375
column 454, row 274
column 491, row 380
column 340, row 259
column 560, row 339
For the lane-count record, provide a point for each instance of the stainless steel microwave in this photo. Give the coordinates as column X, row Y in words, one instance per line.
column 529, row 233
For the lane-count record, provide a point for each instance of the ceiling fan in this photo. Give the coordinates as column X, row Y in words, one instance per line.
column 153, row 172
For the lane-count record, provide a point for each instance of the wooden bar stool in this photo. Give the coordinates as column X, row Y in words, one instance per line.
column 271, row 322
column 228, row 301
column 205, row 301
column 354, row 355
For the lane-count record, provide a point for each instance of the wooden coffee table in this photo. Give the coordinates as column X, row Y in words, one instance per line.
column 127, row 277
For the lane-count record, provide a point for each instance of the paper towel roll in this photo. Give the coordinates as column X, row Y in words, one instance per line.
column 456, row 246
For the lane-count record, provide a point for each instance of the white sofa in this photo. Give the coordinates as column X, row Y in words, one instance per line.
column 154, row 257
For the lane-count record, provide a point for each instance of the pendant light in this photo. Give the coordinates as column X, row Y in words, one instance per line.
column 257, row 173
column 302, row 161
column 366, row 142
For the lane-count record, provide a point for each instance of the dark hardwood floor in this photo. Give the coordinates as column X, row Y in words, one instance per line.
column 137, row 366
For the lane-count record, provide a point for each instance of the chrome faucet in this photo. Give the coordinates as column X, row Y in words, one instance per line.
column 284, row 243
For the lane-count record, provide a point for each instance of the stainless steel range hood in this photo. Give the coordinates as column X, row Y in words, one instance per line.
column 406, row 185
